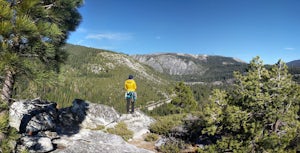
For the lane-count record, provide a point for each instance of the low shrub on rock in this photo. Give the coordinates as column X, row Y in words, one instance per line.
column 121, row 130
column 151, row 137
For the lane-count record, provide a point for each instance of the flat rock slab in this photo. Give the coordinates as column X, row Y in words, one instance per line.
column 137, row 122
column 89, row 141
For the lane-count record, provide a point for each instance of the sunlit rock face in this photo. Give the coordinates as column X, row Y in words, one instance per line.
column 173, row 64
column 90, row 141
column 44, row 128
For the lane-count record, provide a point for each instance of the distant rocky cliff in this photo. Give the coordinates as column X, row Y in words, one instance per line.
column 174, row 64
column 189, row 67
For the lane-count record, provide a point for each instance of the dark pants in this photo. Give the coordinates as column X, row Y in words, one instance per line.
column 130, row 104
column 130, row 98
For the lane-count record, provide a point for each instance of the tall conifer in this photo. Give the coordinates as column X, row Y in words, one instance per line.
column 31, row 34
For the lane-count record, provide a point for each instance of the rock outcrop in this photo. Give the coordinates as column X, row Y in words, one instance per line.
column 98, row 114
column 137, row 122
column 44, row 128
column 33, row 116
column 89, row 141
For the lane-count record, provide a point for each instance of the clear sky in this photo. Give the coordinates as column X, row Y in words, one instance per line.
column 235, row 28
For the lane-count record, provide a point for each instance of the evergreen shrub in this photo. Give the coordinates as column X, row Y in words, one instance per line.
column 164, row 124
column 151, row 137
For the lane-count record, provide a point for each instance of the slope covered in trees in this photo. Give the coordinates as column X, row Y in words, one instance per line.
column 261, row 114
column 98, row 75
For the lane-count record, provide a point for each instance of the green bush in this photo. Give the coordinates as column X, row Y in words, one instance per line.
column 3, row 106
column 165, row 109
column 121, row 130
column 151, row 137
column 172, row 147
column 5, row 146
column 165, row 123
column 11, row 136
column 99, row 127
column 25, row 151
column 3, row 121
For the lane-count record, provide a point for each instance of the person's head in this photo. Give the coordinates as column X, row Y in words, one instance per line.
column 130, row 76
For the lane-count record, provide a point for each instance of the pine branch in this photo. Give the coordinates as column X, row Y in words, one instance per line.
column 29, row 55
column 49, row 6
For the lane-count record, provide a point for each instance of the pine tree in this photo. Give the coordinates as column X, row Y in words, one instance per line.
column 259, row 116
column 31, row 34
column 184, row 98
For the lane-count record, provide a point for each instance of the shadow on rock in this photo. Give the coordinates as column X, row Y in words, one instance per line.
column 70, row 118
column 39, row 122
column 35, row 116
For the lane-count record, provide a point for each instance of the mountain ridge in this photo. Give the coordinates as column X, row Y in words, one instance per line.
column 189, row 67
column 294, row 63
column 188, row 54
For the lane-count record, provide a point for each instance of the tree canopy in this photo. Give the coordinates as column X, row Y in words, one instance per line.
column 31, row 34
column 184, row 98
column 259, row 116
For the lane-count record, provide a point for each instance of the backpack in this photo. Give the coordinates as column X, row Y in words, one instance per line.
column 128, row 95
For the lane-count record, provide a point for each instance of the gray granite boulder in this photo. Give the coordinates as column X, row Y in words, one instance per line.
column 138, row 122
column 98, row 114
column 32, row 116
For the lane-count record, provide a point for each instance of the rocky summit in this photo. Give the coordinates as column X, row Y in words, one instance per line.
column 45, row 128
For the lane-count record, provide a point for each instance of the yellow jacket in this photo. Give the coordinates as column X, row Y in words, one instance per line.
column 130, row 85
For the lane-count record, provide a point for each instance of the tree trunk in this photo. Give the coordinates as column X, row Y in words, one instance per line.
column 8, row 85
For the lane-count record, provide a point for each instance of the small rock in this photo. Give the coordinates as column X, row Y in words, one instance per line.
column 37, row 144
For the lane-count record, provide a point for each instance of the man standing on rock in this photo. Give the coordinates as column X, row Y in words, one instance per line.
column 130, row 95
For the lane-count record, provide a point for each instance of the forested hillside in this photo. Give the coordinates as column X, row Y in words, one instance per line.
column 97, row 76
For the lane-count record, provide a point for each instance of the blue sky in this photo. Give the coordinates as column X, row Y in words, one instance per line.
column 235, row 28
